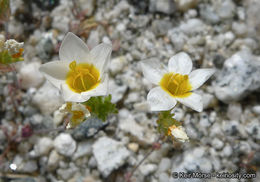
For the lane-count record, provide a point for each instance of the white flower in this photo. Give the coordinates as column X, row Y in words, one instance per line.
column 175, row 83
column 78, row 111
column 80, row 73
column 13, row 47
column 178, row 133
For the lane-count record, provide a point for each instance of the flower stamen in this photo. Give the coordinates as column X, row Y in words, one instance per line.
column 82, row 77
column 176, row 84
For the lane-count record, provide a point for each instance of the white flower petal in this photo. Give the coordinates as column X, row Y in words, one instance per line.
column 180, row 63
column 159, row 100
column 55, row 72
column 194, row 101
column 180, row 134
column 69, row 95
column 73, row 49
column 199, row 76
column 100, row 90
column 153, row 70
column 100, row 56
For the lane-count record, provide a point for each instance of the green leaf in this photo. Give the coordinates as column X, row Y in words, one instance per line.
column 165, row 120
column 101, row 106
column 6, row 58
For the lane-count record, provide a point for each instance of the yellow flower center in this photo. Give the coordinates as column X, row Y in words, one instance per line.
column 77, row 116
column 82, row 77
column 176, row 85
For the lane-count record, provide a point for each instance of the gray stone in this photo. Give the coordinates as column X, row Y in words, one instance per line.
column 117, row 64
column 163, row 177
column 241, row 73
column 65, row 174
column 178, row 113
column 230, row 127
column 184, row 5
column 240, row 29
column 161, row 27
column 45, row 47
column 252, row 19
column 30, row 75
column 53, row 160
column 147, row 169
column 47, row 98
column 225, row 8
column 178, row 38
column 208, row 100
column 93, row 39
column 61, row 17
column 208, row 13
column 92, row 163
column 205, row 165
column 65, row 144
column 192, row 26
column 122, row 6
column 87, row 6
column 43, row 146
column 256, row 109
column 110, row 155
column 162, row 6
column 21, row 165
column 83, row 149
column 141, row 134
column 234, row 111
column 88, row 128
column 253, row 129
column 164, row 165
column 116, row 90
column 227, row 151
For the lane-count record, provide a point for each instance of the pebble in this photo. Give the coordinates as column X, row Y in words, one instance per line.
column 88, row 128
column 30, row 76
column 163, row 177
column 225, row 9
column 43, row 146
column 185, row 5
column 67, row 173
column 47, row 99
column 53, row 160
column 147, row 169
column 234, row 111
column 92, row 163
column 240, row 29
column 165, row 165
column 256, row 109
column 65, row 144
column 227, row 151
column 20, row 165
column 61, row 17
column 241, row 73
column 117, row 64
column 133, row 147
column 192, row 26
column 109, row 154
column 217, row 144
column 163, row 6
column 83, row 149
column 87, row 6
column 141, row 134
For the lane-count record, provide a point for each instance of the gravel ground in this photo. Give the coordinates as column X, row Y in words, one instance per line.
column 220, row 34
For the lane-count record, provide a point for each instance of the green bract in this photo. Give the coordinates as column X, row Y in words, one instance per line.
column 6, row 58
column 165, row 120
column 101, row 106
